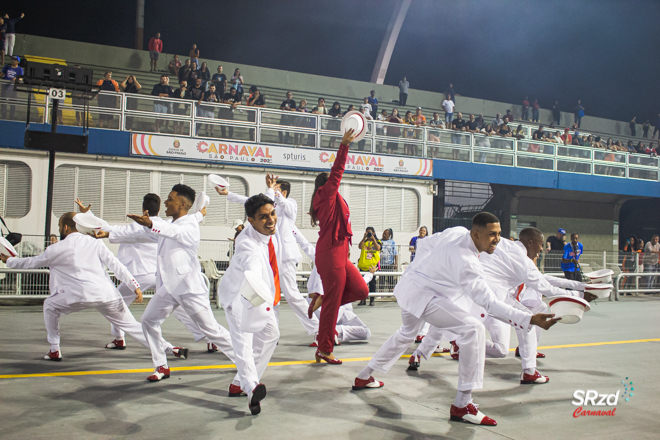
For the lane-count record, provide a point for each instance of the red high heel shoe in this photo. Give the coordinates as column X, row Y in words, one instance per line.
column 320, row 356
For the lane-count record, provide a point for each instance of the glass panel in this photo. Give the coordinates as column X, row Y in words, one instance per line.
column 333, row 142
column 448, row 137
column 490, row 157
column 330, row 123
column 636, row 173
column 608, row 170
column 18, row 112
column 106, row 100
column 157, row 125
column 182, row 107
column 568, row 151
column 535, row 162
column 610, row 156
column 636, row 159
column 217, row 130
column 288, row 137
column 293, row 119
column 574, row 167
column 535, row 147
column 448, row 153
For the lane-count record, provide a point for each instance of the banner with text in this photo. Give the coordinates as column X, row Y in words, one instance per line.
column 270, row 155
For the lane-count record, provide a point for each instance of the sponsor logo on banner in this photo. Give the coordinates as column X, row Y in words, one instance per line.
column 251, row 154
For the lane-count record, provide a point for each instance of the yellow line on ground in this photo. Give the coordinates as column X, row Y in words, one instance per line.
column 280, row 364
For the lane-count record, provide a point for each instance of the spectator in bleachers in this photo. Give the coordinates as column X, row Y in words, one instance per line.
column 497, row 121
column 237, row 83
column 205, row 74
column 651, row 254
column 566, row 138
column 434, row 135
column 194, row 74
column 403, row 91
column 509, row 116
column 556, row 113
column 180, row 109
column 389, row 260
column 299, row 138
column 164, row 90
column 504, row 130
column 641, row 148
column 525, row 109
column 633, row 126
column 207, row 111
column 412, row 247
column 367, row 107
column 368, row 117
column 557, row 137
column 645, row 129
column 448, row 107
column 174, row 66
column 107, row 84
column 630, row 147
column 458, row 124
column 10, row 34
column 408, row 119
column 420, row 121
column 380, row 129
column 320, row 107
column 155, row 48
column 481, row 123
column 256, row 99
column 484, row 141
column 197, row 92
column 538, row 135
column 374, row 104
column 130, row 85
column 579, row 113
column 518, row 133
column 334, row 125
column 536, row 110
column 231, row 98
column 220, row 81
column 370, row 247
column 349, row 109
column 10, row 73
column 184, row 72
column 393, row 131
column 471, row 125
column 288, row 105
column 194, row 56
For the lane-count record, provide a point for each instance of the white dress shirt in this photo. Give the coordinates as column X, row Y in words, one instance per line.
column 447, row 265
column 139, row 258
column 77, row 270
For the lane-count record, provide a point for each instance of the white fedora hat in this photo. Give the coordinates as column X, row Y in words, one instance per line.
column 569, row 308
column 88, row 223
column 603, row 276
column 237, row 223
column 357, row 122
column 201, row 202
column 8, row 248
column 255, row 290
column 601, row 290
column 218, row 181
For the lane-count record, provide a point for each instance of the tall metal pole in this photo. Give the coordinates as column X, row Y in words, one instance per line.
column 139, row 25
column 51, row 173
column 387, row 47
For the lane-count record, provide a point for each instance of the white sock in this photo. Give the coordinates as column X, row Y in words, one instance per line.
column 366, row 373
column 463, row 399
column 249, row 387
column 529, row 370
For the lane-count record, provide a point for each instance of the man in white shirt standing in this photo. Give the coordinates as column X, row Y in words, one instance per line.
column 179, row 280
column 448, row 107
column 79, row 281
column 254, row 329
column 508, row 271
column 279, row 190
column 438, row 287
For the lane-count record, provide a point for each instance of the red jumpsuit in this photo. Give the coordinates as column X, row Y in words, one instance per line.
column 342, row 282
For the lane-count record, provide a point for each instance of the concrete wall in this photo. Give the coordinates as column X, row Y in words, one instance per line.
column 311, row 86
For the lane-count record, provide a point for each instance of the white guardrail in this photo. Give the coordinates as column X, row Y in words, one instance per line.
column 187, row 118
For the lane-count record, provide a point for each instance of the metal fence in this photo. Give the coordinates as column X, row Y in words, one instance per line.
column 186, row 118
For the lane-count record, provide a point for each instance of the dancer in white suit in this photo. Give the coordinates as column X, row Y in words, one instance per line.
column 287, row 211
column 140, row 260
column 179, row 280
column 254, row 337
column 508, row 270
column 79, row 281
column 437, row 287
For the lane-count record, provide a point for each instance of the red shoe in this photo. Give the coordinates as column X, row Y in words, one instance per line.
column 117, row 344
column 159, row 374
column 310, row 309
column 54, row 356
column 419, row 339
column 210, row 347
column 320, row 356
column 414, row 362
column 257, row 395
column 440, row 350
column 470, row 414
column 517, row 352
column 454, row 350
column 533, row 379
column 538, row 355
column 361, row 384
column 180, row 352
column 235, row 391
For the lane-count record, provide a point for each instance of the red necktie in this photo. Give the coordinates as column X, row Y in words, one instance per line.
column 520, row 289
column 272, row 258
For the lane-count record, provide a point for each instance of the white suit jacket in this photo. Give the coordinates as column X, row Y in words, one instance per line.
column 178, row 269
column 447, row 265
column 77, row 270
column 287, row 210
column 139, row 258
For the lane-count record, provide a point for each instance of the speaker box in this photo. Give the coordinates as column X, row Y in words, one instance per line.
column 59, row 142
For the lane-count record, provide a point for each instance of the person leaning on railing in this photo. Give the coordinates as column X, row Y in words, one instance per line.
column 130, row 85
column 256, row 99
column 107, row 84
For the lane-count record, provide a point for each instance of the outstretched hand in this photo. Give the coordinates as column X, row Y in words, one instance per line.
column 138, row 299
column 373, row 269
column 348, row 137
column 588, row 297
column 143, row 219
column 82, row 207
column 4, row 258
column 545, row 321
column 222, row 191
column 271, row 180
column 101, row 234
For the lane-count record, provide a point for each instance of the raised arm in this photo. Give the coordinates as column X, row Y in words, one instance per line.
column 42, row 260
column 184, row 233
column 119, row 270
column 337, row 171
column 129, row 234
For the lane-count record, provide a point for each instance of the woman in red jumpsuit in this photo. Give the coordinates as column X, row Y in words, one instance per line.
column 342, row 282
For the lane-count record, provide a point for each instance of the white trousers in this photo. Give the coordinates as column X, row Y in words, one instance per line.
column 528, row 342
column 197, row 306
column 443, row 314
column 114, row 311
column 289, row 287
column 425, row 330
column 147, row 282
column 349, row 325
column 10, row 39
column 252, row 350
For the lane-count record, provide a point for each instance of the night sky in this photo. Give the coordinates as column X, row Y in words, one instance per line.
column 603, row 52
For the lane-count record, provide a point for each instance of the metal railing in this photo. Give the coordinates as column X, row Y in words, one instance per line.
column 187, row 118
